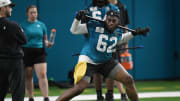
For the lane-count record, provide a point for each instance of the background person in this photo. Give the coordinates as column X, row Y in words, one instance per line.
column 11, row 55
column 34, row 52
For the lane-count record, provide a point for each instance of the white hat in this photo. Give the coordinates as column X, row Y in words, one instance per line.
column 6, row 3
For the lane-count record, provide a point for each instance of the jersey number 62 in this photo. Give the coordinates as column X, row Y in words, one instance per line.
column 104, row 46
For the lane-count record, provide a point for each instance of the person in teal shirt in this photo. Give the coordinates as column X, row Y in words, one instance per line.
column 98, row 9
column 34, row 32
column 34, row 52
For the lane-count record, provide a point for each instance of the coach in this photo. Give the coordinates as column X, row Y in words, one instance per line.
column 11, row 55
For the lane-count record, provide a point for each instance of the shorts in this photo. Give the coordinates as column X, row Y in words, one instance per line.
column 34, row 56
column 103, row 69
column 84, row 70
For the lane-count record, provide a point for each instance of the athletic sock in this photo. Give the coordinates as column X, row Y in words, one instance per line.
column 124, row 97
column 31, row 99
column 110, row 91
column 46, row 99
column 109, row 95
column 99, row 93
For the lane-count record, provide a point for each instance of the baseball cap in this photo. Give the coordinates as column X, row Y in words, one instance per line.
column 6, row 3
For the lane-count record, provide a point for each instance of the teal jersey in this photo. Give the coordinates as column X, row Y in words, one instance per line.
column 100, row 44
column 34, row 33
column 99, row 13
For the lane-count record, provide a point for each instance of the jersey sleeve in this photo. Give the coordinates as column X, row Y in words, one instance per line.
column 125, row 38
column 44, row 29
column 78, row 28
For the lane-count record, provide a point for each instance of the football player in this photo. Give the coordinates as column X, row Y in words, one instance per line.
column 96, row 54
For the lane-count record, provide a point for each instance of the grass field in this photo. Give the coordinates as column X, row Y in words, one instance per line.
column 158, row 99
column 142, row 86
column 161, row 99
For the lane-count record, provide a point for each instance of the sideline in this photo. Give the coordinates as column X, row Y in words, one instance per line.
column 116, row 96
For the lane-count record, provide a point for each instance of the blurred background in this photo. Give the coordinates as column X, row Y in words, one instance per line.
column 158, row 60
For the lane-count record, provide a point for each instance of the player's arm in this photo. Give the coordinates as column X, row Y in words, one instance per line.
column 129, row 35
column 48, row 44
column 125, row 38
column 20, row 36
column 78, row 28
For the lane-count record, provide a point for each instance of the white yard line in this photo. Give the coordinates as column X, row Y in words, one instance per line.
column 116, row 96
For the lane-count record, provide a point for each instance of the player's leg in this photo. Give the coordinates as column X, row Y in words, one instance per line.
column 41, row 72
column 72, row 92
column 121, row 90
column 118, row 84
column 121, row 75
column 109, row 85
column 29, row 82
column 28, row 63
column 97, row 79
column 3, row 79
column 82, row 76
column 17, row 82
column 3, row 87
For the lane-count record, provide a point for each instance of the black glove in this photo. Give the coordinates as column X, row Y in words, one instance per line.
column 81, row 14
column 140, row 31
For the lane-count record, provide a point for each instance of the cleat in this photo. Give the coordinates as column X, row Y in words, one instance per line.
column 46, row 99
column 100, row 98
column 124, row 97
column 109, row 97
column 31, row 99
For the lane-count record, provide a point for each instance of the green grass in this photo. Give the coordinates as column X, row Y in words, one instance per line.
column 153, row 86
column 161, row 99
column 156, row 99
column 142, row 86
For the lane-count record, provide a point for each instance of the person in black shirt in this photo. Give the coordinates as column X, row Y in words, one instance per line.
column 11, row 55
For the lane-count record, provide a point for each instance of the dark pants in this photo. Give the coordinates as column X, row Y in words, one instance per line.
column 12, row 78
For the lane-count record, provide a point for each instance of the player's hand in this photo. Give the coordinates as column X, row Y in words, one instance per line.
column 140, row 31
column 49, row 44
column 81, row 14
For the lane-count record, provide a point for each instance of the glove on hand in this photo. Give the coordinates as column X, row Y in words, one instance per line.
column 140, row 31
column 81, row 14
